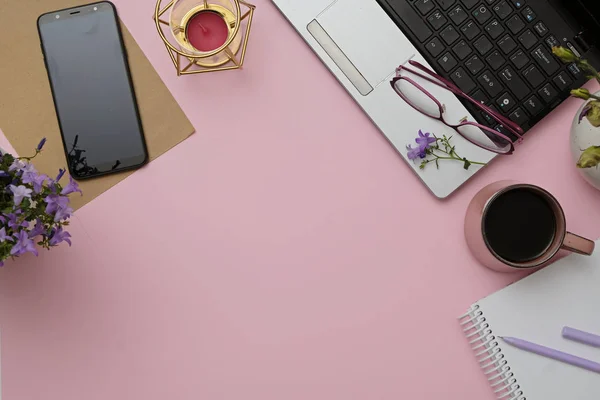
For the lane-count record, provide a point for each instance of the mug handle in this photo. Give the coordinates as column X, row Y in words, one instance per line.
column 578, row 244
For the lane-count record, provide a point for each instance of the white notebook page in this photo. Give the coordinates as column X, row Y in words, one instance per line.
column 536, row 309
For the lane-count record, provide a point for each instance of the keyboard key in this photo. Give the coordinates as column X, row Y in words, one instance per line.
column 446, row 4
column 411, row 19
column 474, row 65
column 470, row 3
column 462, row 50
column 500, row 128
column 458, row 15
column 487, row 118
column 562, row 81
column 518, row 3
column 505, row 102
column 470, row 30
column 494, row 29
column 495, row 60
column 519, row 59
column 518, row 116
column 545, row 60
column 514, row 83
column 490, row 1
column 507, row 44
column 575, row 70
column 490, row 84
column 533, row 105
column 482, row 14
column 533, row 76
column 515, row 24
column 424, row 6
column 540, row 29
column 480, row 96
column 528, row 14
column 502, row 9
column 528, row 39
column 462, row 80
column 437, row 20
column 548, row 93
column 552, row 41
column 449, row 34
column 483, row 45
column 447, row 62
column 435, row 47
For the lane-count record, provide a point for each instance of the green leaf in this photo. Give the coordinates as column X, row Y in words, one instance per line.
column 466, row 164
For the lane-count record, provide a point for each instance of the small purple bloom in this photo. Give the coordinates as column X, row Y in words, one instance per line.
column 584, row 112
column 23, row 245
column 61, row 172
column 415, row 153
column 4, row 174
column 63, row 213
column 4, row 237
column 424, row 140
column 17, row 165
column 38, row 183
column 59, row 236
column 13, row 223
column 20, row 192
column 37, row 230
column 71, row 187
column 54, row 202
column 40, row 146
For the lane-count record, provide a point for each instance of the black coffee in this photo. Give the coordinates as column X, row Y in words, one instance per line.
column 519, row 225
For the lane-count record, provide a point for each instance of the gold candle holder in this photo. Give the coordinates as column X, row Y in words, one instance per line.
column 188, row 59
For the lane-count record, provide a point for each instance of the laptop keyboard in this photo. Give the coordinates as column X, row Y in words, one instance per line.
column 497, row 51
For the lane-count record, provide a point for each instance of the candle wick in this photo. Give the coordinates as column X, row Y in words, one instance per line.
column 204, row 30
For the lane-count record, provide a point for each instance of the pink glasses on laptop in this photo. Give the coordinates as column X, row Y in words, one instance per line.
column 424, row 102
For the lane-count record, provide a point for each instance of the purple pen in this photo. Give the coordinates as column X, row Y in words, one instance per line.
column 553, row 354
column 580, row 336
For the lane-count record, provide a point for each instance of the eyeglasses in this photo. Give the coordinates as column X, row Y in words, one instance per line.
column 421, row 100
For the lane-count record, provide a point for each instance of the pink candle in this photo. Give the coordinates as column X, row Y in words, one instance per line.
column 207, row 31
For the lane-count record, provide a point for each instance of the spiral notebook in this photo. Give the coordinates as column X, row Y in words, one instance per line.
column 536, row 308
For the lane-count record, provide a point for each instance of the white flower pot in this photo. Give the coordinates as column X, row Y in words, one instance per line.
column 584, row 135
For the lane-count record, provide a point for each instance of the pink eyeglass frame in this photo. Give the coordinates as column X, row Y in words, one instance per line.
column 446, row 84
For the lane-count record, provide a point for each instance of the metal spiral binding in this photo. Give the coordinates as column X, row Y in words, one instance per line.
column 489, row 354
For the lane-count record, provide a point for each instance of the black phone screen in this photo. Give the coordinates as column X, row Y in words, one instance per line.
column 91, row 85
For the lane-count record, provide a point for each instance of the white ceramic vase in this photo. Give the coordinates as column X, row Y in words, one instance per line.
column 584, row 135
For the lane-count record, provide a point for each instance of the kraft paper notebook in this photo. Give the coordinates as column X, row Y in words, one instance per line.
column 536, row 309
column 27, row 111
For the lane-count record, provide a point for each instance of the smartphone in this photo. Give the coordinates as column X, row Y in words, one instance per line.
column 92, row 90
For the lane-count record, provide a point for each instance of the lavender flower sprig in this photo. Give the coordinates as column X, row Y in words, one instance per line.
column 34, row 208
column 431, row 149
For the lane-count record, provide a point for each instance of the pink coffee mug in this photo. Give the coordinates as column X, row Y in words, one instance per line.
column 485, row 254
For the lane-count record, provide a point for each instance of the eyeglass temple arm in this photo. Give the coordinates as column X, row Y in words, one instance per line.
column 510, row 125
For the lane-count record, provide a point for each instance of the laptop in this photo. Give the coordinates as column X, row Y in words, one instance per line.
column 497, row 51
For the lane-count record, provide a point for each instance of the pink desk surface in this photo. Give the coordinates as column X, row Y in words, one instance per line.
column 285, row 251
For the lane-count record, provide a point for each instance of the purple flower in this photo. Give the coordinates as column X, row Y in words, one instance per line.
column 584, row 112
column 61, row 172
column 17, row 165
column 424, row 140
column 37, row 230
column 4, row 237
column 38, row 182
column 71, row 187
column 58, row 236
column 55, row 202
column 40, row 146
column 4, row 174
column 20, row 192
column 63, row 213
column 23, row 245
column 415, row 153
column 13, row 223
